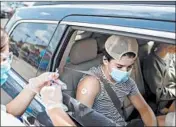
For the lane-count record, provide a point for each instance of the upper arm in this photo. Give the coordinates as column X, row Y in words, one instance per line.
column 87, row 90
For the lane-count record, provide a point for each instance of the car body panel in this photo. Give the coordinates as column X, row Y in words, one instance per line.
column 14, row 85
column 126, row 22
column 58, row 12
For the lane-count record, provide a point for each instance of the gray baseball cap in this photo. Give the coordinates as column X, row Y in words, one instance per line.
column 117, row 46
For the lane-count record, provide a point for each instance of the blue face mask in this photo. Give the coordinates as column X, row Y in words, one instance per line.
column 119, row 76
column 5, row 67
column 4, row 71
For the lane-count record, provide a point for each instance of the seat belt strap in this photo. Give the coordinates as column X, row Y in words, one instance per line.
column 80, row 71
column 115, row 100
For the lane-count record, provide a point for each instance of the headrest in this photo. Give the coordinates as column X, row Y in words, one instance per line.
column 142, row 41
column 82, row 35
column 83, row 50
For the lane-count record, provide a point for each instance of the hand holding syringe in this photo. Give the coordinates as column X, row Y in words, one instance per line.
column 50, row 89
column 52, row 95
column 45, row 79
column 58, row 82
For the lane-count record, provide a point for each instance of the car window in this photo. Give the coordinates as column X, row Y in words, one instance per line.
column 28, row 42
column 46, row 59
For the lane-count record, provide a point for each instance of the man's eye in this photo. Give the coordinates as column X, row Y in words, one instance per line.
column 4, row 59
column 130, row 67
column 119, row 67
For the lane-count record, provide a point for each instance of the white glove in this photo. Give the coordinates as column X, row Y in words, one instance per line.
column 52, row 97
column 37, row 83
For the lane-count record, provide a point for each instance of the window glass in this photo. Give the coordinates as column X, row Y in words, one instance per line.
column 28, row 44
column 44, row 64
column 56, row 38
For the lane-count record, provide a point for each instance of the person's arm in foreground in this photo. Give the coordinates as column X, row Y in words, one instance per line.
column 19, row 104
column 143, row 108
column 53, row 100
column 59, row 117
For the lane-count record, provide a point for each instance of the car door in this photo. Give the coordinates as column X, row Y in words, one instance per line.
column 33, row 44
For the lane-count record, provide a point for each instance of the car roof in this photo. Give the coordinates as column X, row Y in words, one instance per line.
column 138, row 11
column 104, row 2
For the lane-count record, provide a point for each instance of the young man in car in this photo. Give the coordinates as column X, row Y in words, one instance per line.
column 119, row 57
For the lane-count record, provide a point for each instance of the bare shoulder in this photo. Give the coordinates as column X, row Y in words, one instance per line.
column 89, row 82
column 87, row 90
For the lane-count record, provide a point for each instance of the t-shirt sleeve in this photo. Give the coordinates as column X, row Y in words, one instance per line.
column 134, row 89
column 91, row 71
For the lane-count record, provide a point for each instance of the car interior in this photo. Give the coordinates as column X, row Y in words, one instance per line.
column 84, row 51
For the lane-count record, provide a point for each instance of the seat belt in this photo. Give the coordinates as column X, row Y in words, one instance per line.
column 115, row 100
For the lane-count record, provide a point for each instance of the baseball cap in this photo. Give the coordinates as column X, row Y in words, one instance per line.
column 117, row 46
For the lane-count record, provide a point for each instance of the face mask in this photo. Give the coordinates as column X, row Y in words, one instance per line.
column 5, row 67
column 119, row 76
column 4, row 71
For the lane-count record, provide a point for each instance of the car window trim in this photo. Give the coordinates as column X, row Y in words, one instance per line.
column 162, row 36
column 61, row 47
column 58, row 28
column 31, row 21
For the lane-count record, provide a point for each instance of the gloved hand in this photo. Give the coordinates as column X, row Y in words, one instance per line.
column 45, row 79
column 52, row 97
